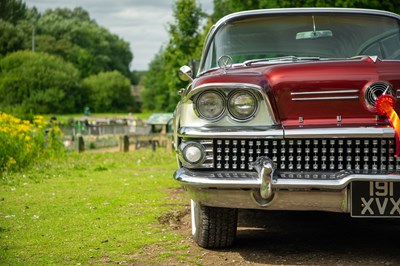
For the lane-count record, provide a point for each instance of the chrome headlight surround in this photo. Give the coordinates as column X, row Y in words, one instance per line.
column 191, row 116
column 204, row 107
column 192, row 153
column 242, row 105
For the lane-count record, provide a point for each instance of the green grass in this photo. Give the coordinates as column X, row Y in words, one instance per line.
column 90, row 208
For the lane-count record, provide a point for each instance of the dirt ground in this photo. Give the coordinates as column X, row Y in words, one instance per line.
column 293, row 238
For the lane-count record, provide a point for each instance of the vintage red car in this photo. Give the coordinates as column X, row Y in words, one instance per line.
column 285, row 113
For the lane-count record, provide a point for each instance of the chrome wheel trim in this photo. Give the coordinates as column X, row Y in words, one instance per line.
column 194, row 213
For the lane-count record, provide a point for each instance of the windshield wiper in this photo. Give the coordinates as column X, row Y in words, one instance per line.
column 282, row 59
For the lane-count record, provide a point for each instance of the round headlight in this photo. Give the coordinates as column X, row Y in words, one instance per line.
column 193, row 153
column 242, row 105
column 210, row 105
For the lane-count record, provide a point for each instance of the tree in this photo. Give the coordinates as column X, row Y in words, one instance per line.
column 38, row 83
column 12, row 10
column 162, row 82
column 72, row 35
column 155, row 93
column 15, row 26
column 61, row 47
column 12, row 37
column 109, row 92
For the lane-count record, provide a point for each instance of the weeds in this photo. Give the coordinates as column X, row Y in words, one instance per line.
column 22, row 142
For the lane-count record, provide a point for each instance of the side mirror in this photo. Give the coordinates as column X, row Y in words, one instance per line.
column 186, row 73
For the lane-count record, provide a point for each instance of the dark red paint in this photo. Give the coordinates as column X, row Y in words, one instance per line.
column 280, row 80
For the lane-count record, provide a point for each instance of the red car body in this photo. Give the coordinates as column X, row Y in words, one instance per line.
column 283, row 116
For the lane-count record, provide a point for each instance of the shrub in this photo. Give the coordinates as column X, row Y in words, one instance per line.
column 39, row 83
column 23, row 142
column 109, row 92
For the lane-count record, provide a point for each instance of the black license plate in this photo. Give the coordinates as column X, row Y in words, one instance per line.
column 375, row 199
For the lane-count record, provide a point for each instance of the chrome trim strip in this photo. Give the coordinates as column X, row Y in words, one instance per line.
column 279, row 133
column 326, row 98
column 206, row 179
column 341, row 132
column 334, row 184
column 203, row 179
column 323, row 92
column 231, row 132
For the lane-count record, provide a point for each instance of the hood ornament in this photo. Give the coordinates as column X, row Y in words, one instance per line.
column 374, row 58
column 225, row 62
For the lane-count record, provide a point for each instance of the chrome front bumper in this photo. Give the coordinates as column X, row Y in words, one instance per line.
column 266, row 188
column 246, row 190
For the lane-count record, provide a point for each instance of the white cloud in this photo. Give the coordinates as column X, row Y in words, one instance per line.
column 142, row 23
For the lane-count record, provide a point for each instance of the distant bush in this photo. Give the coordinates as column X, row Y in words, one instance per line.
column 39, row 83
column 22, row 142
column 109, row 92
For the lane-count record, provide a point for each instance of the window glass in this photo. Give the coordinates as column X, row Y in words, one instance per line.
column 335, row 36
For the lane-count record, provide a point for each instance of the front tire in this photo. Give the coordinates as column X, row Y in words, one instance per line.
column 213, row 227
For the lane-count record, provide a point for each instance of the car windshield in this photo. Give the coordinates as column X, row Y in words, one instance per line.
column 319, row 35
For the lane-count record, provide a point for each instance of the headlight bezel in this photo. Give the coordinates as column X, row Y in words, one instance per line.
column 199, row 112
column 234, row 116
column 226, row 94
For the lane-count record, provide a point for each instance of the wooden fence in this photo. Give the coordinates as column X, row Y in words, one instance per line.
column 131, row 142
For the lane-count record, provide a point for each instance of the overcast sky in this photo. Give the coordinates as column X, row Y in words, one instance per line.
column 142, row 23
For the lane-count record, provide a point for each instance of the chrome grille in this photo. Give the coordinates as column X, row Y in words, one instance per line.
column 308, row 154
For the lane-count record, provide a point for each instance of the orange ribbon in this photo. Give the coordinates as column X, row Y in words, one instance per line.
column 384, row 105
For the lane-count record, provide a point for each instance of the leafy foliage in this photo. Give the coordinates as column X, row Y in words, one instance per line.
column 38, row 83
column 109, row 91
column 78, row 39
column 68, row 46
column 154, row 95
column 23, row 142
column 162, row 77
column 12, row 10
column 184, row 39
column 16, row 26
column 12, row 37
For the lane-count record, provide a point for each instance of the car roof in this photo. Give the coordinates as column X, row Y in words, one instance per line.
column 301, row 10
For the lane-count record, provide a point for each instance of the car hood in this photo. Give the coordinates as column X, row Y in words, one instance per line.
column 320, row 92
